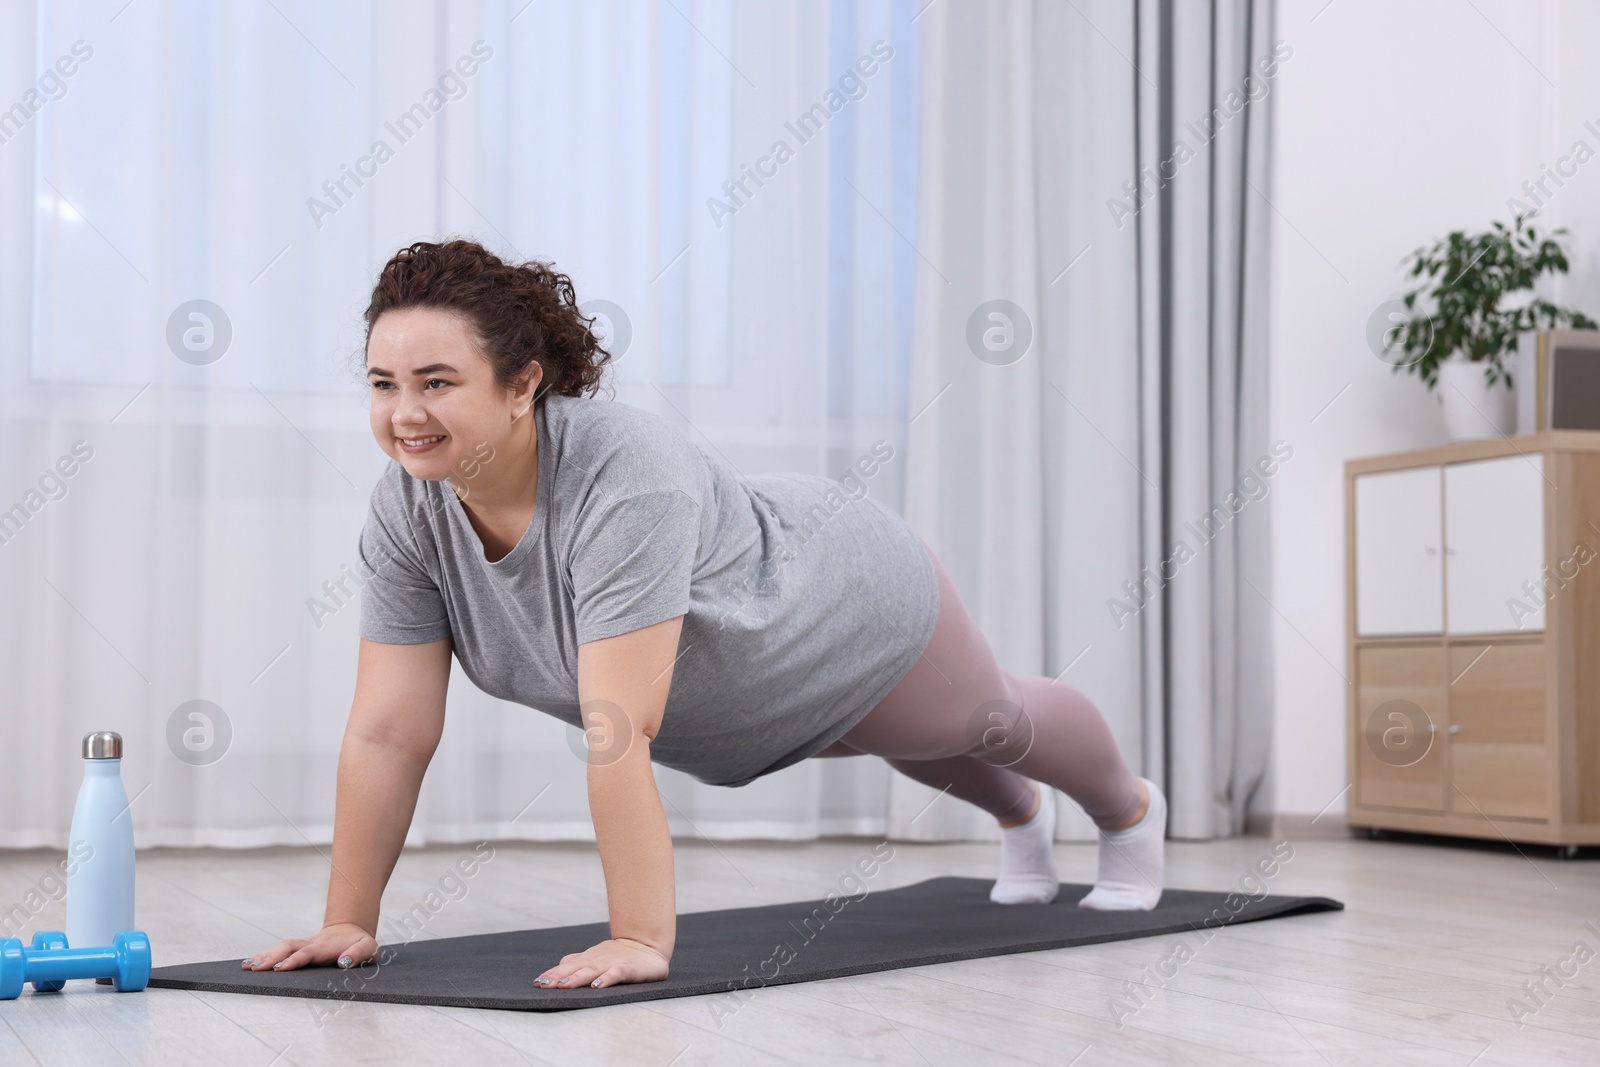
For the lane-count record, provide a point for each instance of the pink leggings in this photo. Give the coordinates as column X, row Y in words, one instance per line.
column 957, row 721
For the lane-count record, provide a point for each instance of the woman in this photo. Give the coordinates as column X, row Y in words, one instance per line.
column 585, row 558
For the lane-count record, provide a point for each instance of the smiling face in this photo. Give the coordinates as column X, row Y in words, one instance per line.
column 435, row 403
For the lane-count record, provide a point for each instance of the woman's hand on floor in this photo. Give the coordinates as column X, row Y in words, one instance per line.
column 612, row 962
column 344, row 943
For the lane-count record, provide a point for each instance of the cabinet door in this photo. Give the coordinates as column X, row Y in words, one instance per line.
column 1494, row 542
column 1399, row 573
column 1400, row 694
column 1498, row 761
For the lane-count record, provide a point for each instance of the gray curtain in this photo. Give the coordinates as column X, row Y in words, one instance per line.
column 1089, row 444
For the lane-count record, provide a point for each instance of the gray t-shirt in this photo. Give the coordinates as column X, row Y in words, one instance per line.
column 804, row 600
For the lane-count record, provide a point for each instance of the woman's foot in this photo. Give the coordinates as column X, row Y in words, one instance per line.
column 1131, row 860
column 1027, row 857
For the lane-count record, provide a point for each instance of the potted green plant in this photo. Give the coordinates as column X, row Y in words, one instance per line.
column 1461, row 345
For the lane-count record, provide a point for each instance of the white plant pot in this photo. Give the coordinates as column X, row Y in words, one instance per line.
column 1473, row 409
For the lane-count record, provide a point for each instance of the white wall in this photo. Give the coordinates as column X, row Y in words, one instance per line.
column 1395, row 124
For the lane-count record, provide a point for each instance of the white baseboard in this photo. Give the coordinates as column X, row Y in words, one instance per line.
column 1277, row 824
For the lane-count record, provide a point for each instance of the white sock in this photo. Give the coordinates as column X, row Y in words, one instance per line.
column 1129, row 878
column 1027, row 858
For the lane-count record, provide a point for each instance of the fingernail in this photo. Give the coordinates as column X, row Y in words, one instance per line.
column 595, row 984
column 279, row 965
column 344, row 962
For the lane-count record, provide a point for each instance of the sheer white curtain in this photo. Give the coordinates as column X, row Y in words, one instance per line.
column 265, row 159
column 1093, row 481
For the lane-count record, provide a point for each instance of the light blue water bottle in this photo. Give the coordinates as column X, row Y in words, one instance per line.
column 100, row 885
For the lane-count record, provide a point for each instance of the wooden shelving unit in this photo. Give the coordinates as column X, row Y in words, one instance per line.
column 1473, row 597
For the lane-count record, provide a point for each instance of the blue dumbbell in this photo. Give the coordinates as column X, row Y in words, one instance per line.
column 49, row 963
column 53, row 940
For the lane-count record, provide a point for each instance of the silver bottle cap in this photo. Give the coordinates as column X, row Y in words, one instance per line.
column 102, row 744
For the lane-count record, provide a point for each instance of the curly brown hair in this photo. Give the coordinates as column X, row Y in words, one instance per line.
column 521, row 313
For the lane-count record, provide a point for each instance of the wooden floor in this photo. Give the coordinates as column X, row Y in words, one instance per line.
column 1419, row 969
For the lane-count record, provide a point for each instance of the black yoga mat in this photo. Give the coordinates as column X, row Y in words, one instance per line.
column 936, row 921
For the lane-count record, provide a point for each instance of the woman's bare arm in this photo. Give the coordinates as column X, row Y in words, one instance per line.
column 622, row 687
column 396, row 719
